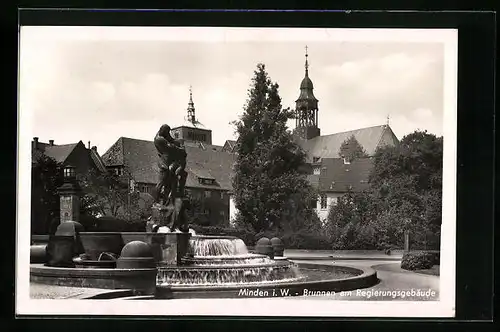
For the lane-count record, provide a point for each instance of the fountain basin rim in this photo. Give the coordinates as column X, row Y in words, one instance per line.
column 367, row 278
column 229, row 257
column 42, row 270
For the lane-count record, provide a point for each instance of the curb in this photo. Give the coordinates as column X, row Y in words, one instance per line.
column 329, row 258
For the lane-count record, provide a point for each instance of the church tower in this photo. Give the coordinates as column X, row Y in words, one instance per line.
column 306, row 108
column 192, row 130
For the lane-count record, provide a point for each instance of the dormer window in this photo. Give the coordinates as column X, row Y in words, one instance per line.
column 317, row 170
column 346, row 161
column 316, row 159
column 206, row 181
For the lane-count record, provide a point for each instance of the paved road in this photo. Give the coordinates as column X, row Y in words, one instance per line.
column 392, row 279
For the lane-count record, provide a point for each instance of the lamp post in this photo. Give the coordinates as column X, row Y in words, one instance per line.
column 69, row 196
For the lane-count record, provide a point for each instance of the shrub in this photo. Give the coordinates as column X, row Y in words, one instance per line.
column 418, row 260
column 435, row 256
column 305, row 240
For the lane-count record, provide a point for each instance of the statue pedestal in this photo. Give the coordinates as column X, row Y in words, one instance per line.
column 160, row 216
column 173, row 247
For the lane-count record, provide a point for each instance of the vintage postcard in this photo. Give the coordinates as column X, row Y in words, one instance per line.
column 236, row 171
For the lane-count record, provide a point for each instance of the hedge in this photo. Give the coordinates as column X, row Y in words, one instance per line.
column 298, row 240
column 419, row 260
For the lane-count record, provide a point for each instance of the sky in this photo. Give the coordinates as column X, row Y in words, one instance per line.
column 100, row 83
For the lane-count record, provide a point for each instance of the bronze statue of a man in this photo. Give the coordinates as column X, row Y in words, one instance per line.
column 172, row 164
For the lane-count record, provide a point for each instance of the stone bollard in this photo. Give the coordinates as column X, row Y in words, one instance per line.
column 264, row 247
column 38, row 253
column 278, row 247
column 72, row 228
column 136, row 255
column 64, row 245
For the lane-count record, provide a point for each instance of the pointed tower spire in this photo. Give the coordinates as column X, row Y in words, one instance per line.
column 307, row 64
column 191, row 110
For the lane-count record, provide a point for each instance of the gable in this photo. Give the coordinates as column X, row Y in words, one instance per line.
column 114, row 155
column 59, row 152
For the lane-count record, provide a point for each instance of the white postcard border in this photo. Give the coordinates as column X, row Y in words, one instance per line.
column 445, row 307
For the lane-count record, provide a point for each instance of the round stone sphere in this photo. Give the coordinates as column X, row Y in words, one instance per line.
column 69, row 228
column 264, row 247
column 136, row 249
column 276, row 241
column 278, row 246
column 263, row 241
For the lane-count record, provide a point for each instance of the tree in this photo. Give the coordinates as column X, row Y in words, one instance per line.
column 46, row 177
column 108, row 194
column 351, row 149
column 349, row 221
column 404, row 195
column 407, row 180
column 267, row 182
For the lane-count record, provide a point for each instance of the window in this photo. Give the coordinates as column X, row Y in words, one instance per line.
column 221, row 195
column 208, row 194
column 323, row 201
column 118, row 171
column 67, row 172
column 206, row 181
column 317, row 171
column 144, row 189
column 316, row 159
column 176, row 135
column 313, row 204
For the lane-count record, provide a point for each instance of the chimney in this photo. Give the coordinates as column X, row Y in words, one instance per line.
column 94, row 148
column 51, row 142
column 35, row 142
column 88, row 146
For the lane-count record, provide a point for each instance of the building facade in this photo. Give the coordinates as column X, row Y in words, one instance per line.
column 210, row 166
column 75, row 159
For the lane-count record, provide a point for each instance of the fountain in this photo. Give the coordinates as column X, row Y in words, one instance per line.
column 170, row 261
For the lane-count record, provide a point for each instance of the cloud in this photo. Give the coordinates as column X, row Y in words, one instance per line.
column 399, row 83
column 101, row 90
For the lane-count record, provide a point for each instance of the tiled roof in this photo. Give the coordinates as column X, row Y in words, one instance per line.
column 336, row 176
column 328, row 146
column 97, row 160
column 140, row 158
column 229, row 145
column 313, row 180
column 58, row 152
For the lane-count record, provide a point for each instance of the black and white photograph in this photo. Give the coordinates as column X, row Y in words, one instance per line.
column 220, row 171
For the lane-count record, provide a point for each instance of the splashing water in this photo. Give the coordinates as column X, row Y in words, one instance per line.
column 225, row 260
column 206, row 246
